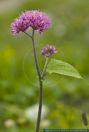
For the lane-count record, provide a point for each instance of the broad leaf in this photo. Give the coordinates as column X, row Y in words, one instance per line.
column 63, row 68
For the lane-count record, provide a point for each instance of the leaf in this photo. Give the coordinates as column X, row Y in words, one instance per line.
column 63, row 68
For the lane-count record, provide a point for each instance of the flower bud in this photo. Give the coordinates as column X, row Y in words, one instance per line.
column 48, row 50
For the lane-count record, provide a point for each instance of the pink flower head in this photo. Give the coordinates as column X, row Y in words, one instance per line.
column 19, row 25
column 48, row 50
column 35, row 19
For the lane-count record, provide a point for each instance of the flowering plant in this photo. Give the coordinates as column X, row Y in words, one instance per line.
column 40, row 21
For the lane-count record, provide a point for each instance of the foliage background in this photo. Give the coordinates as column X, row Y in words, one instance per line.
column 65, row 97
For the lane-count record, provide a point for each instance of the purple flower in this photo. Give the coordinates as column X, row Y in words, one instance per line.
column 48, row 50
column 35, row 19
column 19, row 25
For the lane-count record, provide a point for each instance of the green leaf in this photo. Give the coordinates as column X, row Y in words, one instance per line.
column 63, row 68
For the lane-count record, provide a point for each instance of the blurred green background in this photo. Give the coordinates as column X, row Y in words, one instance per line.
column 65, row 98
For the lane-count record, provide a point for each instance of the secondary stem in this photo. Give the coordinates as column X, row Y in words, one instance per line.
column 44, row 69
column 40, row 84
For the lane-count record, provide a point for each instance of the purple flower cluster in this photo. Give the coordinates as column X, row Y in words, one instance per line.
column 35, row 19
column 48, row 50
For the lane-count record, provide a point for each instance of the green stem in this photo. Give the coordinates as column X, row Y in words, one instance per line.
column 40, row 81
column 35, row 56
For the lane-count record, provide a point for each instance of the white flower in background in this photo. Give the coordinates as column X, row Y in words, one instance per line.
column 7, row 5
column 31, row 112
column 9, row 123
